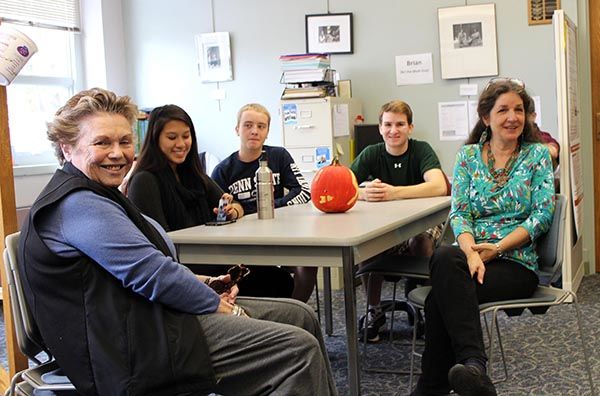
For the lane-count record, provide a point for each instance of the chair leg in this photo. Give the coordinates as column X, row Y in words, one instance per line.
column 413, row 349
column 490, row 330
column 501, row 347
column 583, row 346
column 327, row 300
column 491, row 341
column 487, row 331
column 366, row 366
column 318, row 302
column 13, row 383
column 412, row 358
column 393, row 310
column 366, row 317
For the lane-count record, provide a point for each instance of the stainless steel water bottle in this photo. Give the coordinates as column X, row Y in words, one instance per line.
column 265, row 202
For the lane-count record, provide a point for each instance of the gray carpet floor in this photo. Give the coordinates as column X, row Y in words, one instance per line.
column 543, row 352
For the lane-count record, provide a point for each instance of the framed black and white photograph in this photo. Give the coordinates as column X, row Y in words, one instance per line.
column 468, row 41
column 467, row 35
column 214, row 57
column 329, row 33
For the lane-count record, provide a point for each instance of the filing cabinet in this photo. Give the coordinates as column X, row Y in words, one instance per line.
column 314, row 127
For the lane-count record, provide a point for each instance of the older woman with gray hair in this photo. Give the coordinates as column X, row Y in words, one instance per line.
column 118, row 312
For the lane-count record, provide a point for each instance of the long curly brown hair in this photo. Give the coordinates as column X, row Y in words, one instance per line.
column 488, row 99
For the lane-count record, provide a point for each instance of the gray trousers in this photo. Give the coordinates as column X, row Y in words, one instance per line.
column 279, row 350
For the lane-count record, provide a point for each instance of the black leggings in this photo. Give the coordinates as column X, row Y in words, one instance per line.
column 452, row 323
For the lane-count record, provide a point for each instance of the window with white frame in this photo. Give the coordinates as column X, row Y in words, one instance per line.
column 46, row 82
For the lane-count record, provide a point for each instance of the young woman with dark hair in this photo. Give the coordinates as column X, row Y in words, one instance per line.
column 169, row 185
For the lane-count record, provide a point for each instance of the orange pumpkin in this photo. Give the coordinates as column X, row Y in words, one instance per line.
column 334, row 188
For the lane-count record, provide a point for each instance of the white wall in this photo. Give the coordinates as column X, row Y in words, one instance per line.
column 153, row 59
column 162, row 62
column 159, row 41
column 103, row 45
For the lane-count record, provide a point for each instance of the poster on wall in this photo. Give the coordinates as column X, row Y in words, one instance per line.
column 214, row 57
column 468, row 41
column 573, row 125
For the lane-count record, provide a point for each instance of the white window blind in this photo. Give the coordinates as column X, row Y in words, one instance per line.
column 56, row 14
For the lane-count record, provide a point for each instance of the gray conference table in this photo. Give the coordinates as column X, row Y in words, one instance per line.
column 301, row 235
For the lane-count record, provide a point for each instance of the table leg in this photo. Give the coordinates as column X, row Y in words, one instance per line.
column 351, row 330
column 327, row 300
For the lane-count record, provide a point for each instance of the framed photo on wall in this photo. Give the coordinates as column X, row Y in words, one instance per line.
column 468, row 41
column 214, row 57
column 329, row 33
column 540, row 12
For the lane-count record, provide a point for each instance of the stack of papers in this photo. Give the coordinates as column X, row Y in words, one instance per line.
column 308, row 92
column 300, row 76
column 304, row 62
column 306, row 76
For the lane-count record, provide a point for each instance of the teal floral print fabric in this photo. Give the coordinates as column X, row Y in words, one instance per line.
column 490, row 213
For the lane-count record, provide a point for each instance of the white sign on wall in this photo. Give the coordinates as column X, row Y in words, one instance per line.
column 414, row 69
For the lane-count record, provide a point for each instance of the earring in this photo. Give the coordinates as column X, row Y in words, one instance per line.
column 484, row 135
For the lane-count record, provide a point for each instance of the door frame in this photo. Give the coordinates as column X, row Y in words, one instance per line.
column 594, row 24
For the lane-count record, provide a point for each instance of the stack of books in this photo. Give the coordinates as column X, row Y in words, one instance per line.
column 306, row 76
column 304, row 61
column 141, row 128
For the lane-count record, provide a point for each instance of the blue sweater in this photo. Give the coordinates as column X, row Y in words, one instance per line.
column 87, row 224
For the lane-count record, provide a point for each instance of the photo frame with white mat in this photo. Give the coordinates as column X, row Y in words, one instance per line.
column 329, row 33
column 468, row 46
column 214, row 57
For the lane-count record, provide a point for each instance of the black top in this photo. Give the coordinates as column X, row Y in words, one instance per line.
column 172, row 205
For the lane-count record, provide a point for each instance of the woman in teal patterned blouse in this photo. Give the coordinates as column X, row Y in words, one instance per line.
column 502, row 201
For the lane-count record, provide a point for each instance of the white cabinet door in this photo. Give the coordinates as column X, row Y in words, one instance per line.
column 309, row 124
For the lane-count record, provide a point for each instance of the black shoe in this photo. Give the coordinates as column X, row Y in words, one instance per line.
column 375, row 320
column 470, row 380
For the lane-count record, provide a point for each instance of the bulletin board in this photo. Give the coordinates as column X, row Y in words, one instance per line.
column 571, row 173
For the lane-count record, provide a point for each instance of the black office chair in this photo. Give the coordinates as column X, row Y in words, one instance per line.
column 395, row 268
column 550, row 252
column 43, row 376
column 365, row 135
